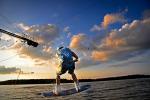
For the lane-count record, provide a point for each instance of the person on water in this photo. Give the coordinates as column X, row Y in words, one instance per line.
column 67, row 59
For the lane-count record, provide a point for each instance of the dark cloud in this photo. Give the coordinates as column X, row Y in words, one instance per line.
column 8, row 70
column 142, row 58
column 86, row 62
column 12, row 70
column 146, row 14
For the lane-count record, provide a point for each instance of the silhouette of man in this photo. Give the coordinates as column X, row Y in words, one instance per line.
column 67, row 60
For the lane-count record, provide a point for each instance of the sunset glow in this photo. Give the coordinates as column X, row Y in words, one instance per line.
column 111, row 37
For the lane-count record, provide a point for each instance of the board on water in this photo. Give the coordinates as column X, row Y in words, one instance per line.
column 66, row 92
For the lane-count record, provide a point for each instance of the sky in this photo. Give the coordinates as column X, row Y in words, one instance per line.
column 111, row 37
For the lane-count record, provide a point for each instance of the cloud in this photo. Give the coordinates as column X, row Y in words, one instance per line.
column 142, row 59
column 67, row 30
column 96, row 28
column 81, row 42
column 86, row 62
column 118, row 45
column 110, row 19
column 23, row 26
column 77, row 41
column 12, row 70
column 84, row 44
column 6, row 70
column 102, row 55
column 146, row 14
column 130, row 35
column 128, row 39
column 5, row 37
column 45, row 35
column 6, row 41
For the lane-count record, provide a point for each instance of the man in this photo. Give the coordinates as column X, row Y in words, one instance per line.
column 67, row 60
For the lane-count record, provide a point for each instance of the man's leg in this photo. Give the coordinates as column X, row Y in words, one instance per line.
column 76, row 82
column 74, row 77
column 57, row 87
column 58, row 80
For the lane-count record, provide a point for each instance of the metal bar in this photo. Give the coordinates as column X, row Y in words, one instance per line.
column 29, row 42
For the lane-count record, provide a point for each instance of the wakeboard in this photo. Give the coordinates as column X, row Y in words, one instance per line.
column 65, row 92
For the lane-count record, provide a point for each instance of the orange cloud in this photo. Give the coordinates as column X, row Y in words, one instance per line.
column 114, row 43
column 76, row 41
column 123, row 41
column 82, row 42
column 109, row 19
column 100, row 55
column 112, row 18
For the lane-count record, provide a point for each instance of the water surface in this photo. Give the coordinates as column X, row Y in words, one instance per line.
column 130, row 89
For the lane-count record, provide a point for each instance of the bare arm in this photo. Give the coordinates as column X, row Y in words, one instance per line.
column 76, row 57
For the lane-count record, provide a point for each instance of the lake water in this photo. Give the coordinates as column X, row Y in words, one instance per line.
column 130, row 89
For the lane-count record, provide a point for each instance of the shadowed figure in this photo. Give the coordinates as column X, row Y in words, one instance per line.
column 67, row 60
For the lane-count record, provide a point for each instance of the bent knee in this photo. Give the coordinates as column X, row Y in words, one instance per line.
column 57, row 75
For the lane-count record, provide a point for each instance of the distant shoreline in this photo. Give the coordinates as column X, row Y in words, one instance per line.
column 50, row 81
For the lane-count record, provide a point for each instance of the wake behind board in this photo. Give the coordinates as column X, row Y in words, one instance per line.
column 66, row 92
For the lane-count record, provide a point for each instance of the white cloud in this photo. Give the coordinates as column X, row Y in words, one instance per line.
column 45, row 35
column 23, row 26
column 67, row 30
column 96, row 28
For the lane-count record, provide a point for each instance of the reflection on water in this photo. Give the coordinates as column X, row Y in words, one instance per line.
column 133, row 89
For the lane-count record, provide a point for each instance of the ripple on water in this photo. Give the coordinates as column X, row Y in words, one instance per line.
column 136, row 89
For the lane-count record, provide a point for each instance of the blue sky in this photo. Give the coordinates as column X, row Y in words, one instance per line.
column 77, row 22
column 69, row 12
